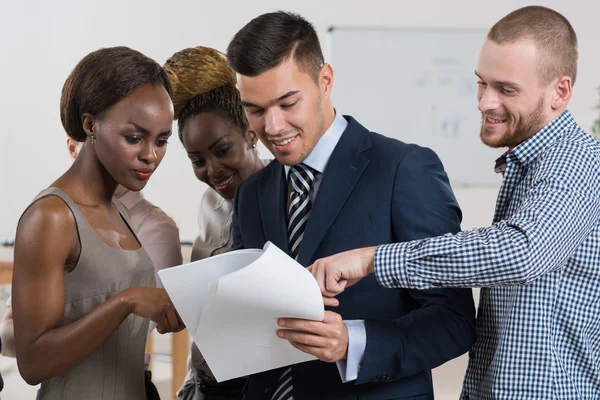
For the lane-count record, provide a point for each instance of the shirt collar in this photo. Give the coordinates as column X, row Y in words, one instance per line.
column 319, row 156
column 531, row 148
column 528, row 151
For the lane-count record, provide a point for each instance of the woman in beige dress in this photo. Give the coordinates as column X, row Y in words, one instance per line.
column 214, row 131
column 83, row 287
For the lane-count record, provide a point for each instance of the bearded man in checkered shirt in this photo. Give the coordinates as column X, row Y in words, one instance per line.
column 538, row 327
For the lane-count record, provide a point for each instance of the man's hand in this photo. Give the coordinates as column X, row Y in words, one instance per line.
column 330, row 301
column 326, row 340
column 335, row 273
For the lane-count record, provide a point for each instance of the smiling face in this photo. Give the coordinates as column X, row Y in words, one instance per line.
column 514, row 104
column 221, row 156
column 131, row 136
column 287, row 109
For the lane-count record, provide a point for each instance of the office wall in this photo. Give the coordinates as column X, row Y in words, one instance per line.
column 41, row 41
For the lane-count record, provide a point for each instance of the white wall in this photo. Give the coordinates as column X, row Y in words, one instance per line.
column 41, row 41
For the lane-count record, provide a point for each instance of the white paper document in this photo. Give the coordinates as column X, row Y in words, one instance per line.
column 230, row 304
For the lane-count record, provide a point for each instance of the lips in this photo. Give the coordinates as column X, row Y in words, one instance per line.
column 143, row 174
column 222, row 184
column 284, row 145
column 284, row 141
column 494, row 120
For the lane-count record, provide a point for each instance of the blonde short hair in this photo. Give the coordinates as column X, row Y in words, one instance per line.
column 551, row 33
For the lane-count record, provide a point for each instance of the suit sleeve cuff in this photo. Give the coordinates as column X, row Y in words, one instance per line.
column 357, row 342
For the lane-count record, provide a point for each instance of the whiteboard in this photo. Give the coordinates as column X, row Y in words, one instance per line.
column 417, row 86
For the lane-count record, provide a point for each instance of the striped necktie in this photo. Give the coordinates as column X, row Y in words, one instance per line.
column 301, row 179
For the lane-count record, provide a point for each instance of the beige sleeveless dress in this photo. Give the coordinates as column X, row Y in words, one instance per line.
column 115, row 370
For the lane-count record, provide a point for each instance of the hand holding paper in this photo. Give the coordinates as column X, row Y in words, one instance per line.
column 327, row 340
column 230, row 304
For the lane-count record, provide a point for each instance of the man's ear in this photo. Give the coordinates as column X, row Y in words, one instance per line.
column 326, row 80
column 563, row 89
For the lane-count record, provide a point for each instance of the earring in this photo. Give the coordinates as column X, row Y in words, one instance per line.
column 93, row 139
column 253, row 145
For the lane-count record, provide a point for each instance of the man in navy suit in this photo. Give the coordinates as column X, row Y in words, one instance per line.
column 335, row 186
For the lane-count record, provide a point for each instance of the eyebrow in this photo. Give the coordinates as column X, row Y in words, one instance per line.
column 216, row 141
column 501, row 83
column 146, row 131
column 277, row 100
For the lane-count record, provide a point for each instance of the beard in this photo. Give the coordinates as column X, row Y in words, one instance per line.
column 517, row 134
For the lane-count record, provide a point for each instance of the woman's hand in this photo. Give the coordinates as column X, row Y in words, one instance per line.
column 154, row 304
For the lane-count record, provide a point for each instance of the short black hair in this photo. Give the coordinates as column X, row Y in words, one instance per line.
column 101, row 79
column 270, row 39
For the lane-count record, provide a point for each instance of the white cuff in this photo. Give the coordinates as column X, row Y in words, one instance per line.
column 357, row 342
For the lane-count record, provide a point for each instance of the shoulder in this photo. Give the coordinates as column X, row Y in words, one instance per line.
column 404, row 155
column 576, row 146
column 574, row 158
column 154, row 219
column 212, row 200
column 214, row 209
column 48, row 226
column 48, row 213
column 389, row 148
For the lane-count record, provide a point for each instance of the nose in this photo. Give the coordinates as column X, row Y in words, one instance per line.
column 274, row 121
column 213, row 167
column 148, row 153
column 488, row 99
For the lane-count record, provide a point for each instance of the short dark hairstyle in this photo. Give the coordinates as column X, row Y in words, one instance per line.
column 270, row 39
column 101, row 79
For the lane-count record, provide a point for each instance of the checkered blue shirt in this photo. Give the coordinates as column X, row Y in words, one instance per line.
column 538, row 326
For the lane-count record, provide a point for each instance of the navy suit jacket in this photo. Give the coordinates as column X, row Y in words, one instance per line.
column 375, row 190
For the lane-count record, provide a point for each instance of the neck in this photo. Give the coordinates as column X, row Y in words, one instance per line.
column 556, row 113
column 89, row 180
column 121, row 191
column 257, row 162
column 328, row 116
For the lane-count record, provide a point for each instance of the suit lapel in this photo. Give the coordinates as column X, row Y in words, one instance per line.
column 344, row 168
column 271, row 198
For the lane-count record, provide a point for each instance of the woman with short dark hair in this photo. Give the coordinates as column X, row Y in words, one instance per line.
column 83, row 286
